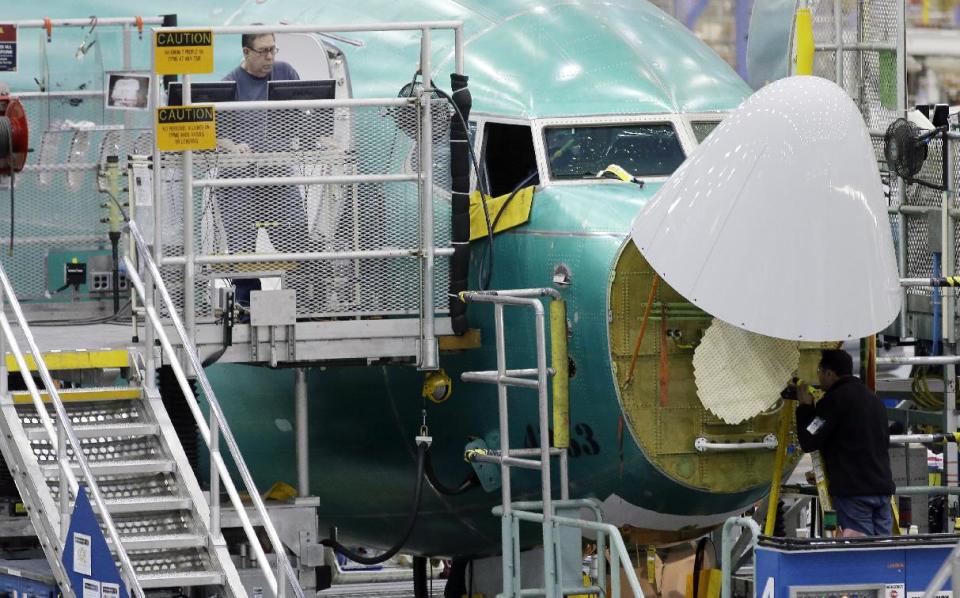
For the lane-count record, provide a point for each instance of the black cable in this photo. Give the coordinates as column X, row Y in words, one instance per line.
column 521, row 185
column 503, row 208
column 227, row 319
column 13, row 180
column 411, row 521
column 214, row 357
column 118, row 317
column 470, row 482
column 484, row 275
column 123, row 213
column 115, row 274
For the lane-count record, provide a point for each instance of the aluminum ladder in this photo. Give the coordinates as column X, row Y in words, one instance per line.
column 559, row 546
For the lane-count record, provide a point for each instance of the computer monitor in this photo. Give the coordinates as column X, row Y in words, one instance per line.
column 203, row 93
column 318, row 89
column 303, row 127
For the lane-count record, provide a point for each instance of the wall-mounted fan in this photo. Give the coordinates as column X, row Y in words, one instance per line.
column 905, row 150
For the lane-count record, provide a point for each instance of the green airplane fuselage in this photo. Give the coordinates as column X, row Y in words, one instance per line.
column 533, row 64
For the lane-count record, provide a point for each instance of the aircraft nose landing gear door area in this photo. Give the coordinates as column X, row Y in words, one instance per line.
column 283, row 217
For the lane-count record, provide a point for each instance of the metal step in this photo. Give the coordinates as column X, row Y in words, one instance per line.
column 75, row 360
column 132, row 487
column 117, row 467
column 93, row 412
column 173, row 580
column 106, row 393
column 161, row 541
column 102, row 450
column 147, row 504
column 101, row 431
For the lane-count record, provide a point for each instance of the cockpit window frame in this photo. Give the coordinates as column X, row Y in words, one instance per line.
column 682, row 124
column 677, row 121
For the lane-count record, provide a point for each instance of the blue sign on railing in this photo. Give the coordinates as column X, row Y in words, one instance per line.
column 87, row 558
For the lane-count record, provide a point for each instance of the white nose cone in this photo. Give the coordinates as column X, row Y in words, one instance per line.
column 777, row 223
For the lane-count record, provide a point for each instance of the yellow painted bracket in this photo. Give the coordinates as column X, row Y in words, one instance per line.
column 22, row 397
column 470, row 454
column 75, row 360
column 896, row 515
column 783, row 429
column 468, row 340
column 561, row 375
column 514, row 213
column 820, row 475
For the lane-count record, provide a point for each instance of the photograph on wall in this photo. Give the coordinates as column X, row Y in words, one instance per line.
column 128, row 90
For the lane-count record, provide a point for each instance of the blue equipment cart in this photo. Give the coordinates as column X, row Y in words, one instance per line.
column 889, row 567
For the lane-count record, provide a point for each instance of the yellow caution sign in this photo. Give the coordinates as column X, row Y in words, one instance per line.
column 182, row 128
column 183, row 52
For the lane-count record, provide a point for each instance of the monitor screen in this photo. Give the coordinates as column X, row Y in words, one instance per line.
column 203, row 93
column 303, row 128
column 319, row 89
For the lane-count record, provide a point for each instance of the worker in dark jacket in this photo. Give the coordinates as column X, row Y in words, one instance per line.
column 849, row 428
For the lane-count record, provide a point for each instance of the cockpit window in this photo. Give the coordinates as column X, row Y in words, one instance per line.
column 577, row 152
column 508, row 159
column 703, row 128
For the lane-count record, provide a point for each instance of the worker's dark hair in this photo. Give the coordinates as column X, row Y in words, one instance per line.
column 837, row 361
column 246, row 39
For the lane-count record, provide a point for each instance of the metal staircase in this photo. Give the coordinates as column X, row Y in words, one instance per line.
column 150, row 491
column 134, row 468
column 559, row 518
column 119, row 441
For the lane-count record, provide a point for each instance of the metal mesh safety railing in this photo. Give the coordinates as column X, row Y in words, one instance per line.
column 278, row 146
column 58, row 201
column 868, row 37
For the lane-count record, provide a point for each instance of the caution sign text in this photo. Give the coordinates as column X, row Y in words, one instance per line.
column 182, row 128
column 183, row 52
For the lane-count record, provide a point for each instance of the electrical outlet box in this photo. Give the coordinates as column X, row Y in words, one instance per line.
column 91, row 270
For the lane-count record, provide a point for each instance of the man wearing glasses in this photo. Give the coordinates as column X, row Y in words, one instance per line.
column 850, row 429
column 258, row 67
column 278, row 210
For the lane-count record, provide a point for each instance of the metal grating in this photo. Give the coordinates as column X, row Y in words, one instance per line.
column 168, row 561
column 287, row 218
column 104, row 449
column 118, row 487
column 170, row 522
column 110, row 412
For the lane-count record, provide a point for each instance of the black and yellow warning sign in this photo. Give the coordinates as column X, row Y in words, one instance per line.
column 8, row 48
column 182, row 128
column 183, row 52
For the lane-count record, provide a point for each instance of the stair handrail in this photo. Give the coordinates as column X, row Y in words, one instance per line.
column 64, row 425
column 283, row 563
column 618, row 549
column 950, row 569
